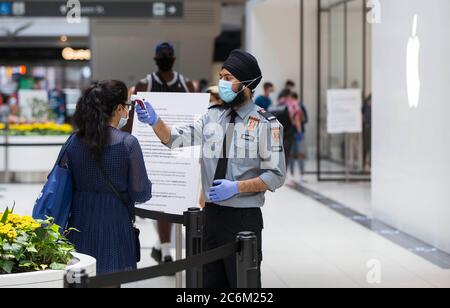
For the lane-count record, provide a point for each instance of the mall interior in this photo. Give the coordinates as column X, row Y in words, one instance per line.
column 365, row 197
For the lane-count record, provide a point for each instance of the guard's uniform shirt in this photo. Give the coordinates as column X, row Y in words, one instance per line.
column 256, row 149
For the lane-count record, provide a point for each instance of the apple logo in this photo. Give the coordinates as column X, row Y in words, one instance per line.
column 412, row 67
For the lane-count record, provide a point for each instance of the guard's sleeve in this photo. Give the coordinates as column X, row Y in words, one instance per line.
column 273, row 160
column 187, row 136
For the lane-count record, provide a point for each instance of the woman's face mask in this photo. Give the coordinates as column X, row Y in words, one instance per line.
column 124, row 120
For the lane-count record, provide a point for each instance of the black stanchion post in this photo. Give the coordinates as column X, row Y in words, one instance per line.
column 247, row 261
column 76, row 279
column 194, row 245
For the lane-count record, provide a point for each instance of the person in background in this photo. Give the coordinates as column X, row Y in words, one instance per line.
column 367, row 132
column 57, row 100
column 298, row 154
column 101, row 157
column 203, row 85
column 289, row 87
column 289, row 115
column 264, row 101
column 166, row 79
column 215, row 98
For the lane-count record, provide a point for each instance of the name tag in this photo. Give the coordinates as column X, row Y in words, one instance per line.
column 278, row 149
column 248, row 137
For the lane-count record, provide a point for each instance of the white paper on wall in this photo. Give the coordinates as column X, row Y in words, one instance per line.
column 344, row 111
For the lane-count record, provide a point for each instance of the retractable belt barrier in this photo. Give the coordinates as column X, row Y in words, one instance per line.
column 245, row 249
column 155, row 215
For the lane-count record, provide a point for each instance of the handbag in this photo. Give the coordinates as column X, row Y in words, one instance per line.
column 137, row 232
column 55, row 199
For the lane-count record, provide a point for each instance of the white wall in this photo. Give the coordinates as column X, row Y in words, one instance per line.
column 273, row 36
column 411, row 147
column 124, row 48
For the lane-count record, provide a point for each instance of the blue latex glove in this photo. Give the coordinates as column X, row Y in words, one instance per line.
column 147, row 116
column 223, row 190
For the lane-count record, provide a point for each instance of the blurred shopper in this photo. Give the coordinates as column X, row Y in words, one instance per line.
column 288, row 112
column 264, row 101
column 164, row 80
column 203, row 85
column 298, row 153
column 367, row 132
column 215, row 97
column 109, row 177
column 57, row 101
column 289, row 87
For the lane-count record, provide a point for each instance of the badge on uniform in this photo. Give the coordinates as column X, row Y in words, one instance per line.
column 253, row 123
column 275, row 134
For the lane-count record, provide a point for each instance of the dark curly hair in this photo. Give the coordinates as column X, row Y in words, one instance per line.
column 94, row 112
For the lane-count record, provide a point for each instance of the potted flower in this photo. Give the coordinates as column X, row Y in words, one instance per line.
column 35, row 254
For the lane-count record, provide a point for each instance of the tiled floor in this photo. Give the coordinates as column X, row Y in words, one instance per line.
column 305, row 243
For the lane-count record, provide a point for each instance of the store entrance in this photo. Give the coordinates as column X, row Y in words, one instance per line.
column 344, row 65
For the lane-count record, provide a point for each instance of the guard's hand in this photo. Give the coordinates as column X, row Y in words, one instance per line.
column 147, row 116
column 223, row 190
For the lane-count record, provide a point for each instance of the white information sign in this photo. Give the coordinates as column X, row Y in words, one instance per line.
column 344, row 111
column 175, row 174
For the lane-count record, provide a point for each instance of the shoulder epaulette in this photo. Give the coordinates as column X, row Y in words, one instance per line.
column 267, row 115
column 215, row 107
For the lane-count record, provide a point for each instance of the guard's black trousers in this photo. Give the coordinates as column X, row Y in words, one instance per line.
column 222, row 225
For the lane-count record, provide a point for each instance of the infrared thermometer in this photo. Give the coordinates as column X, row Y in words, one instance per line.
column 136, row 99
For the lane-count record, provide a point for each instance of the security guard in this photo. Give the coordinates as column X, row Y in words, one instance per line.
column 242, row 158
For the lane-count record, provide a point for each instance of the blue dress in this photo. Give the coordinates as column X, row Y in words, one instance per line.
column 106, row 231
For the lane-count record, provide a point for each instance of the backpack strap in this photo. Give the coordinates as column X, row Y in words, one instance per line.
column 64, row 149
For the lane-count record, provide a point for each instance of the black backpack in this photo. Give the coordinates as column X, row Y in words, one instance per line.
column 282, row 115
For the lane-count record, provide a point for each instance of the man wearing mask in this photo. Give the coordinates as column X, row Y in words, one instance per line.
column 242, row 158
column 164, row 80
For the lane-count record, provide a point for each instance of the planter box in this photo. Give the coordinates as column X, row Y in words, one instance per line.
column 33, row 158
column 47, row 279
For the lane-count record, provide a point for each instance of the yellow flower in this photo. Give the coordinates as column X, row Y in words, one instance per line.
column 23, row 223
column 8, row 231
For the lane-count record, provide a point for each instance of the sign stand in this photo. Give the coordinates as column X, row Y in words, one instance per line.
column 179, row 254
column 347, row 146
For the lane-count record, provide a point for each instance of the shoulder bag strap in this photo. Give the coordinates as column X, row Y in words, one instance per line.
column 113, row 189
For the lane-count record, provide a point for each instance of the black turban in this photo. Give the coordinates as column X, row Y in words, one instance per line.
column 244, row 67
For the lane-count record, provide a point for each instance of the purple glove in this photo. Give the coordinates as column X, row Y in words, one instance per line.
column 147, row 115
column 223, row 190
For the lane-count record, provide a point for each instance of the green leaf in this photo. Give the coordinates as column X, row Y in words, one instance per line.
column 7, row 266
column 58, row 266
column 26, row 263
column 32, row 248
column 5, row 216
